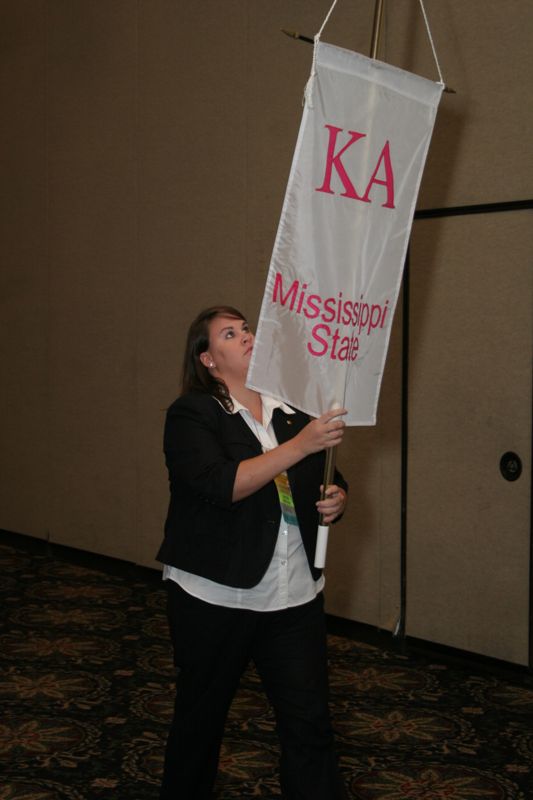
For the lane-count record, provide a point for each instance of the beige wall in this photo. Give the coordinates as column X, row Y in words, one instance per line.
column 470, row 402
column 146, row 147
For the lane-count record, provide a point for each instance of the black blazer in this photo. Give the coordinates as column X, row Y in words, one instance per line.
column 206, row 533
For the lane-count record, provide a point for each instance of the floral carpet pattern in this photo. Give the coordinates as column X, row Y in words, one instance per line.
column 86, row 686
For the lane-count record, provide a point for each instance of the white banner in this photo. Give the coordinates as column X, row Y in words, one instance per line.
column 338, row 257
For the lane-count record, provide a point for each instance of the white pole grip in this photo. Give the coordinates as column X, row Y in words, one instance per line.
column 323, row 530
column 321, row 546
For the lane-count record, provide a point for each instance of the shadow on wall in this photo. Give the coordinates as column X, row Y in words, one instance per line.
column 351, row 546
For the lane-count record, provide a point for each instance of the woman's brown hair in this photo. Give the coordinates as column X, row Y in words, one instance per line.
column 196, row 377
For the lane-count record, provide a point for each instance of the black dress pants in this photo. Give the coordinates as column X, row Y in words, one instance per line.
column 212, row 647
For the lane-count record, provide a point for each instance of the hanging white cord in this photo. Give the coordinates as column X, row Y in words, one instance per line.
column 308, row 93
column 431, row 41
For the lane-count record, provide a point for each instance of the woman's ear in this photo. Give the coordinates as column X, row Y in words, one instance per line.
column 206, row 360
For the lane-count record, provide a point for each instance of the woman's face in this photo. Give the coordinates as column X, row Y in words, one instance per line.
column 230, row 347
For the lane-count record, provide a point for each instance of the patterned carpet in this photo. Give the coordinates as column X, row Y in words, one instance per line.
column 86, row 693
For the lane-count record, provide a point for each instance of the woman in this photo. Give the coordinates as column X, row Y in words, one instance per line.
column 245, row 473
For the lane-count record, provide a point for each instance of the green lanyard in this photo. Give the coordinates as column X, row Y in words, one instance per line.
column 285, row 498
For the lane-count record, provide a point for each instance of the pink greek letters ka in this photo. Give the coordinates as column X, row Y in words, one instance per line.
column 333, row 160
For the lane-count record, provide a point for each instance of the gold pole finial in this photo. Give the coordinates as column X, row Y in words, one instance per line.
column 295, row 35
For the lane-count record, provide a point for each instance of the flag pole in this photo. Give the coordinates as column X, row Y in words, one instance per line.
column 376, row 29
column 323, row 530
column 331, row 452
